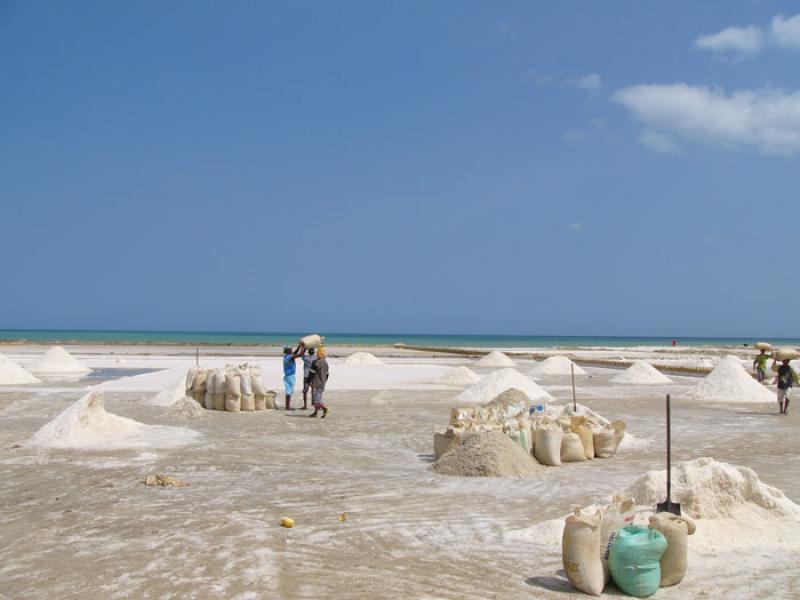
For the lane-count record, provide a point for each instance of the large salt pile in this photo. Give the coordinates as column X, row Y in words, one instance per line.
column 459, row 376
column 12, row 374
column 487, row 454
column 729, row 382
column 495, row 360
column 363, row 359
column 86, row 425
column 498, row 382
column 58, row 361
column 555, row 366
column 641, row 373
column 707, row 489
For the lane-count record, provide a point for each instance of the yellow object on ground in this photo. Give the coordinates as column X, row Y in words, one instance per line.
column 343, row 517
column 287, row 522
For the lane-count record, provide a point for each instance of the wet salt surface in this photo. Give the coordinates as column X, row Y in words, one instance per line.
column 83, row 524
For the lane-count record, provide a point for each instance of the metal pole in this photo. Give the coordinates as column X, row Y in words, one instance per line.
column 669, row 452
column 574, row 401
column 197, row 356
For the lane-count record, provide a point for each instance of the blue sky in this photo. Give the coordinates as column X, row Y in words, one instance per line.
column 614, row 168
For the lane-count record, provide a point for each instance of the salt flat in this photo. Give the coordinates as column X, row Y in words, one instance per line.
column 80, row 523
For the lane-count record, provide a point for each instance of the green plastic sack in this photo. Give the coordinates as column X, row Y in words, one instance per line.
column 635, row 558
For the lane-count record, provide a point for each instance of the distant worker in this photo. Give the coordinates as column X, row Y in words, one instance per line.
column 308, row 360
column 786, row 380
column 674, row 342
column 760, row 365
column 319, row 377
column 289, row 373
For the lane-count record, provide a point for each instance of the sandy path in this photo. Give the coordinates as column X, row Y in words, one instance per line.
column 81, row 524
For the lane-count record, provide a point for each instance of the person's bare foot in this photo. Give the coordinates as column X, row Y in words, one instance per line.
column 324, row 413
column 314, row 414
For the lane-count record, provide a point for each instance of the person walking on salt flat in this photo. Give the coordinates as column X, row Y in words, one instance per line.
column 786, row 379
column 760, row 365
column 308, row 360
column 319, row 377
column 289, row 373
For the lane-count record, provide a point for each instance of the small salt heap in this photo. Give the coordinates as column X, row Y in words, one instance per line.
column 12, row 374
column 487, row 454
column 459, row 376
column 498, row 382
column 495, row 360
column 556, row 366
column 58, row 361
column 86, row 425
column 363, row 359
column 641, row 373
column 729, row 382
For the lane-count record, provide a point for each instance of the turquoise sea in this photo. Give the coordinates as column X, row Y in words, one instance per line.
column 361, row 339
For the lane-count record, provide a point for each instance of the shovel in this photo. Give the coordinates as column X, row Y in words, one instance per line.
column 668, row 505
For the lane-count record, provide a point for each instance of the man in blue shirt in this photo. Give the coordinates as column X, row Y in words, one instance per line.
column 289, row 374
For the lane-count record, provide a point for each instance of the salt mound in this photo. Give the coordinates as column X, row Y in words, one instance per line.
column 459, row 376
column 185, row 408
column 511, row 397
column 496, row 360
column 170, row 395
column 487, row 454
column 498, row 382
column 12, row 374
column 707, row 489
column 641, row 373
column 729, row 382
column 86, row 425
column 363, row 359
column 556, row 365
column 58, row 361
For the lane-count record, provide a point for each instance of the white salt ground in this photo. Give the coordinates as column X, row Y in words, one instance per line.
column 729, row 382
column 498, row 382
column 556, row 366
column 364, row 359
column 85, row 425
column 641, row 373
column 57, row 361
column 459, row 376
column 13, row 374
column 495, row 360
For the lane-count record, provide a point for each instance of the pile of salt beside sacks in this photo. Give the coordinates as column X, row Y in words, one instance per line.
column 605, row 545
column 232, row 389
column 553, row 438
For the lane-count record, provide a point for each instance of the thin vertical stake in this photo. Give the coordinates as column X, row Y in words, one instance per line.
column 574, row 401
column 669, row 453
column 197, row 356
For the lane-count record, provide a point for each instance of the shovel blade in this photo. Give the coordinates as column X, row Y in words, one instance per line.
column 670, row 507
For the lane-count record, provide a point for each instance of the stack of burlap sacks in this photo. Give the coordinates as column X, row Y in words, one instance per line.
column 551, row 438
column 593, row 544
column 232, row 389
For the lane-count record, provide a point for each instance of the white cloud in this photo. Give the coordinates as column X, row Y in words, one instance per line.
column 742, row 41
column 575, row 228
column 785, row 32
column 660, row 142
column 766, row 119
column 589, row 82
column 574, row 135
